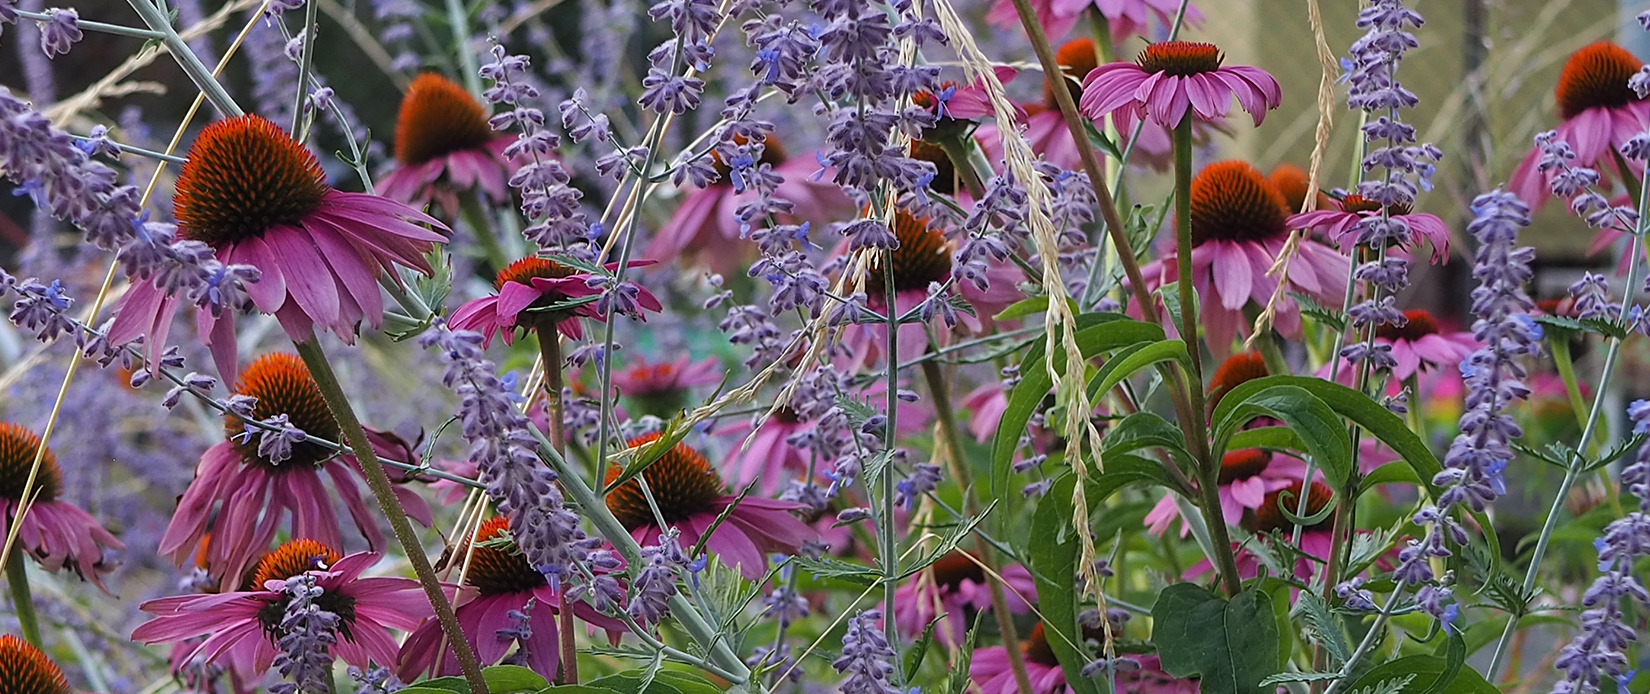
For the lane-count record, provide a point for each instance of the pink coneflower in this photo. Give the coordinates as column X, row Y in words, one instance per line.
column 1246, row 477
column 986, row 405
column 661, row 388
column 1600, row 113
column 444, row 146
column 991, row 673
column 241, row 496
column 1337, row 224
column 259, row 198
column 1421, row 344
column 1172, row 77
column 922, row 258
column 54, row 532
column 690, row 496
column 1125, row 18
column 527, row 290
column 705, row 226
column 1238, row 230
column 240, row 625
column 498, row 581
column 772, row 459
column 25, row 670
column 1268, row 517
column 956, row 587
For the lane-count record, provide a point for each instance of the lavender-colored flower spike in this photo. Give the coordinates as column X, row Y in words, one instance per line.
column 504, row 451
column 307, row 634
column 656, row 581
column 1472, row 475
column 1599, row 650
column 867, row 660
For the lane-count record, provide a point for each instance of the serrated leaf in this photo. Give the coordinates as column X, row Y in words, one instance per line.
column 1232, row 645
column 949, row 541
column 1287, row 677
column 1100, row 141
column 959, row 681
column 1394, row 685
column 827, row 567
column 1425, row 670
column 918, row 650
column 1311, row 308
column 1322, row 626
column 664, row 682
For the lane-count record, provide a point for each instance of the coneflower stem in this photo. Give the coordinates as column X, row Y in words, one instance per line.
column 17, row 579
column 957, row 150
column 475, row 214
column 958, row 465
column 550, row 353
column 327, row 382
column 885, row 520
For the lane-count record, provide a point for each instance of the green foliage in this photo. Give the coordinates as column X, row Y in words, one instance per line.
column 1433, row 674
column 501, row 679
column 1233, row 645
column 1054, row 557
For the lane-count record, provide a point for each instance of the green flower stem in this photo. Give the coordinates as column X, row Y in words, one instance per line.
column 885, row 519
column 957, row 150
column 460, row 25
column 544, row 328
column 609, row 527
column 1208, row 468
column 1579, row 458
column 941, row 392
column 320, row 369
column 114, row 29
column 17, row 579
column 475, row 214
column 306, row 62
column 191, row 64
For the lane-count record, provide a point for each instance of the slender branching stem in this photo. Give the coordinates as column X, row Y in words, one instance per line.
column 550, row 354
column 309, row 349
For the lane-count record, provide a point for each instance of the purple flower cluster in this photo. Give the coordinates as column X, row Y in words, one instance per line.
column 60, row 31
column 1374, row 88
column 655, row 582
column 1590, row 297
column 1472, row 475
column 307, row 634
column 693, row 22
column 867, row 660
column 547, row 200
column 1599, row 650
column 506, row 458
column 61, row 179
column 1578, row 184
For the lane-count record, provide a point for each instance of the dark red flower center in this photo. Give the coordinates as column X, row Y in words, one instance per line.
column 1596, row 77
column 243, row 176
column 945, row 173
column 954, row 568
column 1292, row 181
column 1035, row 648
column 1180, row 58
column 1243, row 464
column 1358, row 203
column 292, row 560
column 18, row 446
column 1076, row 59
column 438, row 117
column 682, row 483
column 282, row 385
column 25, row 670
column 1420, row 324
column 1235, row 371
column 497, row 566
column 923, row 256
column 1232, row 201
column 1269, row 516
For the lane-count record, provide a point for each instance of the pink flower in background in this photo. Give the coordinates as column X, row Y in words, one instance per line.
column 527, row 290
column 241, row 493
column 444, row 146
column 1421, row 344
column 57, row 534
column 1338, row 224
column 1246, row 477
column 986, row 405
column 1176, row 77
column 238, row 624
column 705, row 226
column 1600, row 114
column 690, row 496
column 644, row 378
column 497, row 581
column 990, row 670
column 1238, row 231
column 1125, row 18
column 954, row 587
column 319, row 251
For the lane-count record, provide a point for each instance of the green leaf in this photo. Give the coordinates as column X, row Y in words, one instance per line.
column 1323, row 627
column 1232, row 645
column 1387, row 427
column 1031, row 306
column 1313, row 420
column 503, row 679
column 1455, row 653
column 1144, row 430
column 1100, row 141
column 1395, row 472
column 918, row 650
column 1096, row 333
column 664, row 682
column 1054, row 557
column 1132, row 359
column 1281, row 438
column 959, row 681
column 1426, row 669
column 827, row 567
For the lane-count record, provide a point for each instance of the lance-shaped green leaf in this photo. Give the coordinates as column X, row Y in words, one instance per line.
column 1232, row 645
column 1144, row 430
column 1310, row 418
column 1054, row 557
